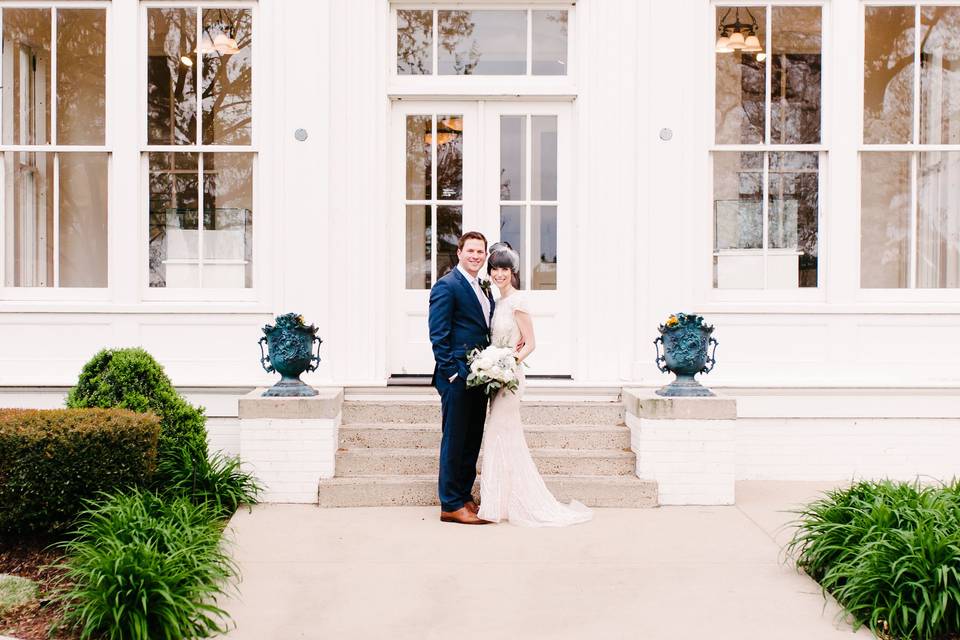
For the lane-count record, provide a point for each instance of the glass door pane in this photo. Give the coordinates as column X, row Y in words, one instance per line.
column 433, row 196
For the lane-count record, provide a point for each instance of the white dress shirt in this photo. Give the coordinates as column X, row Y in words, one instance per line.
column 481, row 298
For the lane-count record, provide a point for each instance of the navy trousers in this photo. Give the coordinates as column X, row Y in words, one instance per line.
column 464, row 412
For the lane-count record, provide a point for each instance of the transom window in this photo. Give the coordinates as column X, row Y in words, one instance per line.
column 768, row 148
column 199, row 150
column 55, row 159
column 482, row 42
column 910, row 158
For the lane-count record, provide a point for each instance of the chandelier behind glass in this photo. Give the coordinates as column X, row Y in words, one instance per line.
column 739, row 36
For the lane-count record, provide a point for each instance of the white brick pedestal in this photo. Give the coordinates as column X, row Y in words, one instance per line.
column 289, row 444
column 687, row 445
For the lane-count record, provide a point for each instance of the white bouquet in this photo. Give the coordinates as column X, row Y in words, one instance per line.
column 493, row 368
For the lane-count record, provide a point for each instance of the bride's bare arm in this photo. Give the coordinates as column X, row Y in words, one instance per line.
column 525, row 323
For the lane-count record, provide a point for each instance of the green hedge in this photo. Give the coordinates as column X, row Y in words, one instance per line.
column 132, row 379
column 51, row 461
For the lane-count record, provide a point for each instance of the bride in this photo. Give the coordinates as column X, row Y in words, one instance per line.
column 510, row 485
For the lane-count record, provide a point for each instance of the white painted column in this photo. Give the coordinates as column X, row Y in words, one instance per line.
column 290, row 444
column 686, row 445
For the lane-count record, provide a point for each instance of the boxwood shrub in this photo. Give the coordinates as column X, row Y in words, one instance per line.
column 51, row 461
column 131, row 379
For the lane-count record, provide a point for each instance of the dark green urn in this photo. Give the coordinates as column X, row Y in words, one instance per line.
column 685, row 339
column 290, row 353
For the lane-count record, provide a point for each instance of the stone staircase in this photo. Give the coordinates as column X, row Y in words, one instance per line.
column 389, row 448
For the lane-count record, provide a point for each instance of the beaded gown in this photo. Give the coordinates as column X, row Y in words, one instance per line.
column 511, row 487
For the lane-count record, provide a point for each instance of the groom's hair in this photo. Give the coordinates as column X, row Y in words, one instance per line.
column 472, row 235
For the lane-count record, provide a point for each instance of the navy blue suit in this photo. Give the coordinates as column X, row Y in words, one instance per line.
column 457, row 326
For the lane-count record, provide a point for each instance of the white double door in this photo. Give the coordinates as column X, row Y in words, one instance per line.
column 501, row 168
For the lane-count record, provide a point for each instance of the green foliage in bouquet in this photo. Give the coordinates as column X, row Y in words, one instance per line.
column 889, row 552
column 493, row 368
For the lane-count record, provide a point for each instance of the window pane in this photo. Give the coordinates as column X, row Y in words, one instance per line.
column 738, row 220
column 450, row 157
column 513, row 158
column 28, row 219
column 227, row 220
column 741, row 82
column 81, row 76
column 549, row 43
column 544, row 249
column 83, row 219
column 885, row 220
column 227, row 48
column 795, row 76
column 418, row 246
column 414, row 42
column 794, row 206
column 419, row 136
column 174, row 224
column 171, row 76
column 938, row 228
column 940, row 76
column 449, row 230
column 544, row 152
column 26, row 82
column 483, row 42
column 888, row 75
column 513, row 231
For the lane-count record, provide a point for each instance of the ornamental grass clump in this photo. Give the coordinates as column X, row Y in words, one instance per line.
column 216, row 481
column 142, row 567
column 889, row 553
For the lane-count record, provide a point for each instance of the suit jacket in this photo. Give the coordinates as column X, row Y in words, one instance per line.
column 457, row 325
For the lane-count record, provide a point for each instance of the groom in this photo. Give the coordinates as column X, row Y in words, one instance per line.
column 460, row 312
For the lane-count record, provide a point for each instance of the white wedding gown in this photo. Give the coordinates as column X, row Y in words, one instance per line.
column 510, row 484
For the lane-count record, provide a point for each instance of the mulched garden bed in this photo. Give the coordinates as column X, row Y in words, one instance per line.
column 28, row 559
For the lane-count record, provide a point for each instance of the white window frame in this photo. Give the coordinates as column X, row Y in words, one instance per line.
column 260, row 254
column 56, row 293
column 477, row 86
column 748, row 299
column 906, row 294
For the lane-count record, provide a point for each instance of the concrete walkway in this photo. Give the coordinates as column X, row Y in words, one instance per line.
column 669, row 573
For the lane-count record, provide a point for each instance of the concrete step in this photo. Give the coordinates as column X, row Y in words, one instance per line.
column 427, row 411
column 421, row 490
column 387, row 435
column 567, row 462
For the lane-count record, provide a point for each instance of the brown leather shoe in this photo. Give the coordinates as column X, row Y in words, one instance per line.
column 472, row 506
column 462, row 515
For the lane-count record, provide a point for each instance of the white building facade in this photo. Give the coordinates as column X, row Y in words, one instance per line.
column 800, row 189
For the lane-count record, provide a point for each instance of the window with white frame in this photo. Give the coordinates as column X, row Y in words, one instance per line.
column 910, row 157
column 199, row 149
column 53, row 143
column 482, row 42
column 768, row 146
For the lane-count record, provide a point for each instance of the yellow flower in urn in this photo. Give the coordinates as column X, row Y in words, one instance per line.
column 300, row 320
column 672, row 321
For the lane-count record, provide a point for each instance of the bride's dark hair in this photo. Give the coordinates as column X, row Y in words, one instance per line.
column 502, row 256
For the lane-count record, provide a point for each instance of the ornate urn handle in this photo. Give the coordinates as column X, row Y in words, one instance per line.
column 661, row 358
column 711, row 359
column 315, row 358
column 264, row 359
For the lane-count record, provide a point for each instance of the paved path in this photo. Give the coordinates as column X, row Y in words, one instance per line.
column 670, row 573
